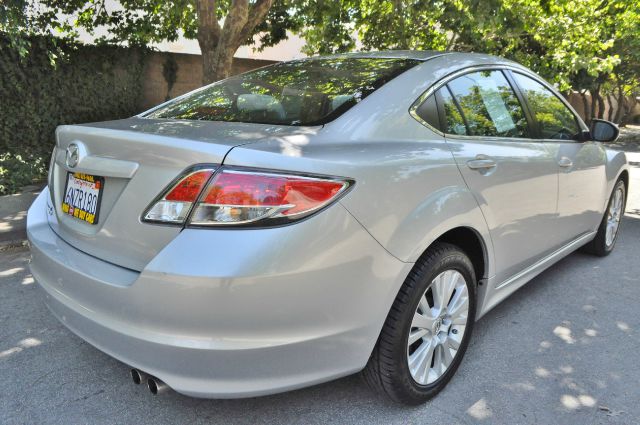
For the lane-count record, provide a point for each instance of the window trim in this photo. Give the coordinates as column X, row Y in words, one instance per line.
column 504, row 68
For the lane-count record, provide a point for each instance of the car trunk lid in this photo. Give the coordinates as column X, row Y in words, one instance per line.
column 137, row 158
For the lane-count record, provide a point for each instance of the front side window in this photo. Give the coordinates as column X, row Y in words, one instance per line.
column 489, row 105
column 554, row 120
column 303, row 92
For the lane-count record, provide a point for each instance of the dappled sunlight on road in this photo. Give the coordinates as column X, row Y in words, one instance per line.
column 564, row 333
column 565, row 375
column 623, row 326
column 571, row 344
column 10, row 222
column 21, row 345
column 480, row 410
column 572, row 403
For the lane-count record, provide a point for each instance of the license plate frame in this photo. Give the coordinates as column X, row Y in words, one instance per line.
column 83, row 203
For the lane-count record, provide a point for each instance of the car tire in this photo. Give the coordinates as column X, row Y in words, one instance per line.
column 388, row 370
column 602, row 245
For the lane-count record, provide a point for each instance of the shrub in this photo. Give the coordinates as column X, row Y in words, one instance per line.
column 85, row 83
column 16, row 172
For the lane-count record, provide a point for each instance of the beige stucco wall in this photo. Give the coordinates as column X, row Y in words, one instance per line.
column 188, row 76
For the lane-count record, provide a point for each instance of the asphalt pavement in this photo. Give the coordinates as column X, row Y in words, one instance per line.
column 562, row 350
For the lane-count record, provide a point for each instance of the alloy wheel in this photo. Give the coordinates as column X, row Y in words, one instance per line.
column 438, row 327
column 614, row 214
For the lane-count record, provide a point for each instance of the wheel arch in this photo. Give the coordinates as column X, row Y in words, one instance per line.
column 477, row 248
column 624, row 176
column 471, row 242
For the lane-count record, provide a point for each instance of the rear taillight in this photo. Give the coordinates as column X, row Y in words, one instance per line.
column 249, row 197
column 176, row 202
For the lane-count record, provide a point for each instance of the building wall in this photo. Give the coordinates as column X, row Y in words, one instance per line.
column 609, row 103
column 188, row 75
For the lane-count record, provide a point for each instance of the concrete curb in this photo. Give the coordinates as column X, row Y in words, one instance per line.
column 13, row 216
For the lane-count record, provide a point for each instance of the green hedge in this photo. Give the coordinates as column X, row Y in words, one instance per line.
column 84, row 84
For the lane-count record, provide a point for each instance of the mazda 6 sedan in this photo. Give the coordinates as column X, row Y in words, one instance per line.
column 320, row 217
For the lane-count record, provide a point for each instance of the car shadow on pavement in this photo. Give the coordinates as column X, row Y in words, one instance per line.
column 563, row 349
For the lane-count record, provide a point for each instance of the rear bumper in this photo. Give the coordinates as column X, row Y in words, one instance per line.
column 224, row 313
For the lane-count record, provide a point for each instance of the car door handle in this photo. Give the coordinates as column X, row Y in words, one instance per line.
column 565, row 162
column 481, row 162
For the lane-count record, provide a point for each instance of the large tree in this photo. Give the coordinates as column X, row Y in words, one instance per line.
column 219, row 26
column 591, row 46
column 218, row 44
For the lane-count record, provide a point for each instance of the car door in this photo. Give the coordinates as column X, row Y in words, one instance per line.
column 512, row 176
column 582, row 181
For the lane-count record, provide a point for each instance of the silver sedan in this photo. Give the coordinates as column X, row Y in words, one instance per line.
column 320, row 217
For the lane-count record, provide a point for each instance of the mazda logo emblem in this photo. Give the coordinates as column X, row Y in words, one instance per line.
column 437, row 325
column 72, row 156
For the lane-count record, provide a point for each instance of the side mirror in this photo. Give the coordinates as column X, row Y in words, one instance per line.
column 603, row 131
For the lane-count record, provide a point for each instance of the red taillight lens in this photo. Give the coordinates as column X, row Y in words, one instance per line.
column 188, row 189
column 236, row 196
column 240, row 197
column 301, row 193
column 175, row 204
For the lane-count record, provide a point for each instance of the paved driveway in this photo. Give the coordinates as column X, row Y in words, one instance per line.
column 564, row 349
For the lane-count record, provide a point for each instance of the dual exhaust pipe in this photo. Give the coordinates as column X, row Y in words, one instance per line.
column 155, row 385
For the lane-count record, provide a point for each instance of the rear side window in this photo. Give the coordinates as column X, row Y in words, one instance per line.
column 489, row 105
column 553, row 119
column 428, row 111
column 303, row 92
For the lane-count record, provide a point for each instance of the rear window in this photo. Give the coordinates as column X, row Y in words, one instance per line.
column 304, row 92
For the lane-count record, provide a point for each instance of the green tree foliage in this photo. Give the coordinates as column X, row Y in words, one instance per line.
column 20, row 20
column 592, row 46
column 586, row 45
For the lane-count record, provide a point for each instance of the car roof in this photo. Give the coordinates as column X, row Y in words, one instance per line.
column 421, row 55
column 400, row 54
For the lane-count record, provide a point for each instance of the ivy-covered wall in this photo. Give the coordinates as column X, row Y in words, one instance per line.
column 85, row 84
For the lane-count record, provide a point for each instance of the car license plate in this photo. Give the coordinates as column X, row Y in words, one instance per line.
column 82, row 195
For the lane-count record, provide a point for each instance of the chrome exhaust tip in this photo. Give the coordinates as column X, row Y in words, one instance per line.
column 138, row 376
column 156, row 386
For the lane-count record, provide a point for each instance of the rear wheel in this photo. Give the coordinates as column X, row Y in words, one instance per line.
column 428, row 328
column 607, row 235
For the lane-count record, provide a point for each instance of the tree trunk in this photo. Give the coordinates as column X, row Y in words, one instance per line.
column 594, row 103
column 219, row 44
column 586, row 111
column 601, row 105
column 208, row 37
column 621, row 102
column 610, row 99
